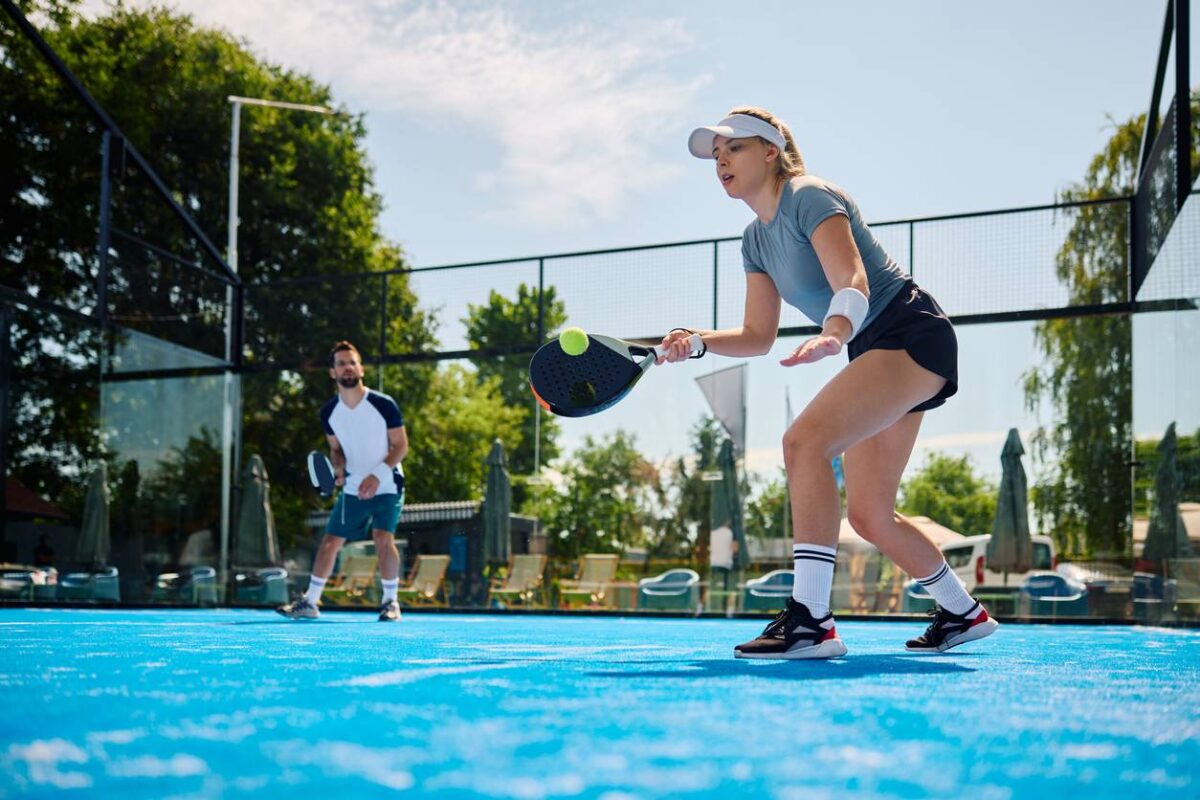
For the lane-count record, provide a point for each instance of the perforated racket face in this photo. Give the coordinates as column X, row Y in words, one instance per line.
column 577, row 386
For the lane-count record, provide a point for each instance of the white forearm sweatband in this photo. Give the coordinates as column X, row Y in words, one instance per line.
column 851, row 304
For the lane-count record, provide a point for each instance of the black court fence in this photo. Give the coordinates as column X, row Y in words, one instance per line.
column 984, row 267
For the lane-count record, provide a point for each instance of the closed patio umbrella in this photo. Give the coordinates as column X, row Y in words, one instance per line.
column 497, row 505
column 1167, row 536
column 727, row 504
column 256, row 543
column 1011, row 548
column 93, row 545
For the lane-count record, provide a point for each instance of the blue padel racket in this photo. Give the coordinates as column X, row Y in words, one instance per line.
column 320, row 472
column 596, row 379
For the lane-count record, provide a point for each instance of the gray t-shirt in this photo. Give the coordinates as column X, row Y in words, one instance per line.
column 782, row 249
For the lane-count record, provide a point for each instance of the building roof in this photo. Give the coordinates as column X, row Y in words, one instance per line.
column 19, row 500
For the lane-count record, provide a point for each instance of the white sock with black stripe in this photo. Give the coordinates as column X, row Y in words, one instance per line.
column 950, row 593
column 315, row 586
column 814, row 576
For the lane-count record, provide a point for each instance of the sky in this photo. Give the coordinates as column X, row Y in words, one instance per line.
column 509, row 129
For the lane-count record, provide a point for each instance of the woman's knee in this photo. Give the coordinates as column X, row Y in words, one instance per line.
column 804, row 442
column 871, row 523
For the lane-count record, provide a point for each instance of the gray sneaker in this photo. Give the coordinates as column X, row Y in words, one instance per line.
column 389, row 612
column 300, row 609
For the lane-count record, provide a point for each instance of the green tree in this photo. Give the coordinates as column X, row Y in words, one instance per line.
column 1081, row 491
column 607, row 502
column 947, row 490
column 1187, row 457
column 448, row 445
column 307, row 207
column 505, row 323
column 764, row 513
column 687, row 524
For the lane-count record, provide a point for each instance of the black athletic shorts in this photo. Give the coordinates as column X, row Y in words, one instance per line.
column 915, row 323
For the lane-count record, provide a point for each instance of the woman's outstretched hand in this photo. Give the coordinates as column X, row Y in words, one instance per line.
column 812, row 350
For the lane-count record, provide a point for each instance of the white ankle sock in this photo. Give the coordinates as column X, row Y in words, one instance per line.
column 315, row 587
column 949, row 591
column 814, row 576
column 389, row 589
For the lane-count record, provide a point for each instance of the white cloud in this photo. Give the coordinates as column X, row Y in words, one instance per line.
column 557, row 100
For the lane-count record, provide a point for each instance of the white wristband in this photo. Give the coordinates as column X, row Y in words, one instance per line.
column 851, row 304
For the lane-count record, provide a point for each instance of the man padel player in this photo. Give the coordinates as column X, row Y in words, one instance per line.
column 810, row 247
column 367, row 442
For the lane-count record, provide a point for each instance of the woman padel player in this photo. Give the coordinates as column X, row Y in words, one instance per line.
column 808, row 245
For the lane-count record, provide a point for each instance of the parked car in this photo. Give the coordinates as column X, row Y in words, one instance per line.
column 968, row 558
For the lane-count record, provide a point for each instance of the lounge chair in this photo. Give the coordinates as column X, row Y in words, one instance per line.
column 1153, row 596
column 522, row 584
column 1185, row 572
column 262, row 587
column 675, row 590
column 102, row 585
column 1049, row 594
column 427, row 583
column 354, row 581
column 596, row 572
column 769, row 592
column 194, row 585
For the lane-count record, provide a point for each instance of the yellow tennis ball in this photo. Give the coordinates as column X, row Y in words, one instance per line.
column 573, row 341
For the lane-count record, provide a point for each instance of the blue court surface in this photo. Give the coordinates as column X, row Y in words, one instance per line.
column 181, row 704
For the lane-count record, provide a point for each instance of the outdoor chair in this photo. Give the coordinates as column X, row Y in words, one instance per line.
column 1153, row 596
column 674, row 590
column 1049, row 594
column 1185, row 572
column 522, row 584
column 263, row 587
column 102, row 585
column 596, row 572
column 194, row 585
column 769, row 592
column 427, row 583
column 24, row 582
column 354, row 581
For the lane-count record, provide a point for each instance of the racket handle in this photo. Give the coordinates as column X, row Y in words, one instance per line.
column 695, row 344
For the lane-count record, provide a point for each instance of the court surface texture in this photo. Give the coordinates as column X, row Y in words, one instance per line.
column 236, row 703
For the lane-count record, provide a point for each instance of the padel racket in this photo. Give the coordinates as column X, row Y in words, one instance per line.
column 596, row 379
column 320, row 472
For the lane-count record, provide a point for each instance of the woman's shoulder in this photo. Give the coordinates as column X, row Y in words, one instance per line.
column 808, row 184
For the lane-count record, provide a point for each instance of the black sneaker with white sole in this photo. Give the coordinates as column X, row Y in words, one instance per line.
column 950, row 630
column 300, row 608
column 795, row 633
column 389, row 612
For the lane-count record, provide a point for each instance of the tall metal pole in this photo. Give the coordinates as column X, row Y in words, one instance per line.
column 231, row 417
column 231, row 387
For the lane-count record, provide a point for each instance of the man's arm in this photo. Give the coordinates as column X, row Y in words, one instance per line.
column 397, row 446
column 397, row 450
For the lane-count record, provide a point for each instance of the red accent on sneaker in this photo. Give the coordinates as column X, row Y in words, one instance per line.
column 831, row 635
column 983, row 617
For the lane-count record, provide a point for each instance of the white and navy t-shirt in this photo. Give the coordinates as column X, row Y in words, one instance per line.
column 362, row 433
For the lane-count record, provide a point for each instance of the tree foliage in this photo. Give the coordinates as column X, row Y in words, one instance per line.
column 607, row 499
column 504, row 323
column 947, row 490
column 307, row 207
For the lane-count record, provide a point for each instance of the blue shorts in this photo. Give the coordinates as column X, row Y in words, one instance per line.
column 355, row 519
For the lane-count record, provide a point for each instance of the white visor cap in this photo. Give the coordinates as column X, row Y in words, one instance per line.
column 736, row 126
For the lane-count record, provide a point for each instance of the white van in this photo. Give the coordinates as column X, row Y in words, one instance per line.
column 968, row 558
